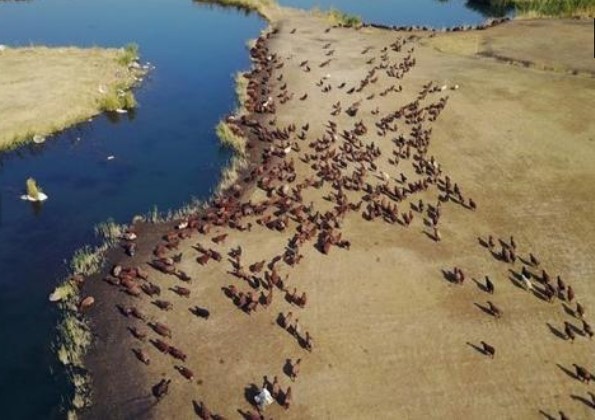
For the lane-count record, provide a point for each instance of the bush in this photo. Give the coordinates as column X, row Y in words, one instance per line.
column 128, row 55
column 33, row 189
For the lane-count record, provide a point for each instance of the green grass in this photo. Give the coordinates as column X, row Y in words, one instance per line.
column 230, row 173
column 337, row 17
column 230, row 139
column 241, row 90
column 547, row 8
column 557, row 8
column 128, row 55
column 109, row 230
column 118, row 97
column 87, row 260
column 73, row 332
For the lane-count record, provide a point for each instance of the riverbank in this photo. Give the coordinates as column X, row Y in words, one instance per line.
column 347, row 131
column 45, row 90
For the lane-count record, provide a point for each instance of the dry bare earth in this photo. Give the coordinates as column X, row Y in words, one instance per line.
column 391, row 336
column 43, row 90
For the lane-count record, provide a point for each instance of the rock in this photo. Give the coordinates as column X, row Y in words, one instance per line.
column 86, row 303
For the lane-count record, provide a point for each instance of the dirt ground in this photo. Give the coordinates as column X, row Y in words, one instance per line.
column 392, row 337
column 44, row 90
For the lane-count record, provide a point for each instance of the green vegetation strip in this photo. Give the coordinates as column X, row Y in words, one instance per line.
column 547, row 8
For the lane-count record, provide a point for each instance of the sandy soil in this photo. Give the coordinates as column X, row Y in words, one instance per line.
column 392, row 337
column 44, row 90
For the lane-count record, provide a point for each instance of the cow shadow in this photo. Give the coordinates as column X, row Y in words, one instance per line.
column 448, row 275
column 250, row 392
column 485, row 309
column 431, row 236
column 556, row 331
column 287, row 368
column 483, row 242
column 547, row 415
column 516, row 281
column 477, row 348
column 585, row 401
column 567, row 371
column 480, row 285
column 568, row 309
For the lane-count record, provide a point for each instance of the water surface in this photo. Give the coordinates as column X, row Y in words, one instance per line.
column 435, row 13
column 165, row 153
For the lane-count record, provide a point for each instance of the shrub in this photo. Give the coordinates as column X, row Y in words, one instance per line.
column 33, row 189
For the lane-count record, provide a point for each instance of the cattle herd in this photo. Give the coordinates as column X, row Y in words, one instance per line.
column 344, row 173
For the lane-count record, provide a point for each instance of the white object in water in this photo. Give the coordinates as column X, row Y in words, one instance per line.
column 121, row 111
column 40, row 197
column 38, row 138
column 111, row 157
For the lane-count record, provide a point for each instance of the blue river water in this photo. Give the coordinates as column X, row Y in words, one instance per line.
column 434, row 13
column 165, row 153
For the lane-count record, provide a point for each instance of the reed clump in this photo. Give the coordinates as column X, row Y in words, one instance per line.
column 128, row 54
column 118, row 97
column 33, row 190
column 230, row 139
column 339, row 18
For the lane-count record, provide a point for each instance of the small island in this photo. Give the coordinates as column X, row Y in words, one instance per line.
column 45, row 90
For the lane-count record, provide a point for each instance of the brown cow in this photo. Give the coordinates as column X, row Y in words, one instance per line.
column 177, row 353
column 185, row 372
column 587, row 329
column 582, row 374
column 287, row 398
column 488, row 350
column 161, row 389
column 569, row 332
column 142, row 356
column 580, row 311
column 294, row 369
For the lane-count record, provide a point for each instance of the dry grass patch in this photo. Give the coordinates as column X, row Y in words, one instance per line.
column 45, row 90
